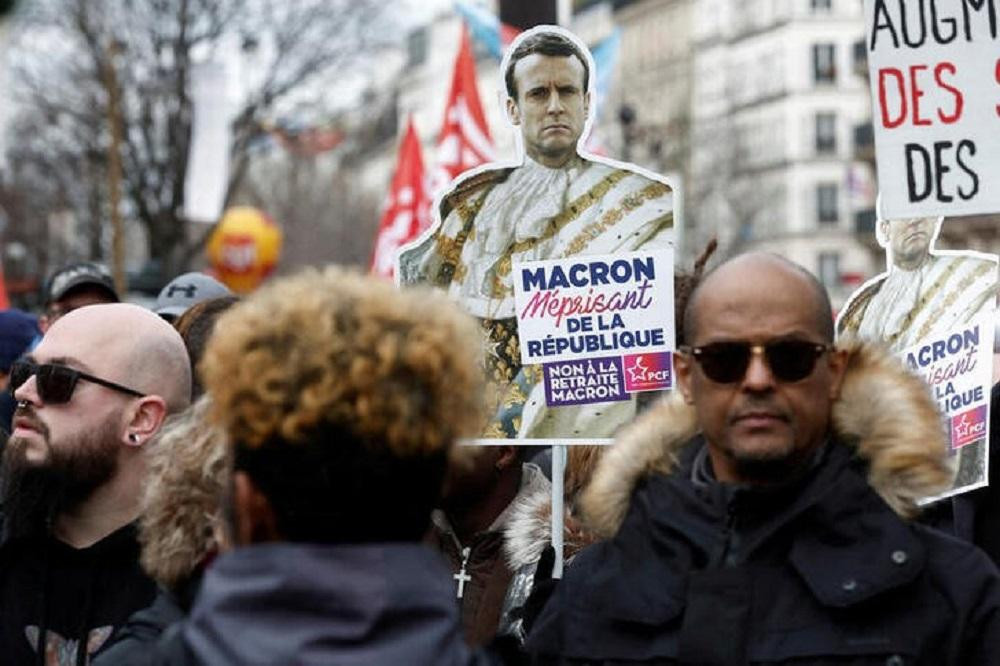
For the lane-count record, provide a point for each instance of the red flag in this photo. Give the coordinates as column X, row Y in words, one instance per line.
column 508, row 34
column 4, row 301
column 465, row 140
column 406, row 210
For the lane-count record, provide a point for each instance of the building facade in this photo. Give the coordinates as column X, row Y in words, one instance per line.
column 776, row 98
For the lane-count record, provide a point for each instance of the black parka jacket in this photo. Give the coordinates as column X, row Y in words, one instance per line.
column 823, row 570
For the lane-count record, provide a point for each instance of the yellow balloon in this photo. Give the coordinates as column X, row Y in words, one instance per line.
column 244, row 248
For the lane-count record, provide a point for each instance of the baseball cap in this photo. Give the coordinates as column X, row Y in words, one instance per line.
column 186, row 290
column 17, row 331
column 77, row 275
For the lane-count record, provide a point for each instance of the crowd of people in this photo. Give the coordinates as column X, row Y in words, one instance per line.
column 278, row 479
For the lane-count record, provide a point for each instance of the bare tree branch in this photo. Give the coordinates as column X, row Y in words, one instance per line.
column 293, row 49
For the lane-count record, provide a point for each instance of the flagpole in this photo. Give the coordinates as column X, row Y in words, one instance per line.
column 558, row 513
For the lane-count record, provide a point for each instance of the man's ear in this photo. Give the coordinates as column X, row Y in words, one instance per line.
column 145, row 419
column 508, row 457
column 883, row 233
column 253, row 514
column 513, row 112
column 838, row 369
column 682, row 371
column 586, row 105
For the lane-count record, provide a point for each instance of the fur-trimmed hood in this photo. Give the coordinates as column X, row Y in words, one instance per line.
column 884, row 411
column 529, row 528
column 189, row 463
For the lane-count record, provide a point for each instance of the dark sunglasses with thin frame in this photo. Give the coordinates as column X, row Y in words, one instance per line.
column 56, row 382
column 727, row 362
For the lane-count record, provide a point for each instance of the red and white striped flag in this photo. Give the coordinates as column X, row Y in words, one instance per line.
column 407, row 208
column 465, row 140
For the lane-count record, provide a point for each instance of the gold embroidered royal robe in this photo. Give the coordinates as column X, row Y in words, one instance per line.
column 590, row 208
column 945, row 292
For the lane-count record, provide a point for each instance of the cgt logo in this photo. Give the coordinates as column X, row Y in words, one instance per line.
column 968, row 427
column 239, row 253
column 648, row 372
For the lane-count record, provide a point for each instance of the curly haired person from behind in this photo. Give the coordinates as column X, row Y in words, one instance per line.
column 343, row 398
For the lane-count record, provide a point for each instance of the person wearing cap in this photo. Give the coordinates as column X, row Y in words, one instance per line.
column 18, row 331
column 186, row 290
column 74, row 286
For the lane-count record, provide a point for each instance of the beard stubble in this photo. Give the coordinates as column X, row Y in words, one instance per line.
column 33, row 494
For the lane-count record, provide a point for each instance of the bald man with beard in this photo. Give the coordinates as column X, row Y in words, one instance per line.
column 89, row 398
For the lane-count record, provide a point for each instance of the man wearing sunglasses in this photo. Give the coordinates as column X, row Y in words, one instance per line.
column 89, row 398
column 761, row 514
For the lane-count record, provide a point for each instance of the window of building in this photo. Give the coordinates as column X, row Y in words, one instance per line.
column 826, row 133
column 416, row 47
column 829, row 269
column 860, row 55
column 821, row 5
column 824, row 65
column 826, row 203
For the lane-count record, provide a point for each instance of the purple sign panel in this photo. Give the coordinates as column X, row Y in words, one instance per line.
column 584, row 381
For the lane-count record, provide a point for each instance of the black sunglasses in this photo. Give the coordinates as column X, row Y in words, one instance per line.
column 56, row 382
column 727, row 362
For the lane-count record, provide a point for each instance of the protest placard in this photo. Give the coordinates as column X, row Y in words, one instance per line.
column 601, row 326
column 935, row 309
column 958, row 367
column 934, row 70
column 554, row 200
column 924, row 293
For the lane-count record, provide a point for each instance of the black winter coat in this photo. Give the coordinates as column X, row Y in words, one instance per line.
column 69, row 600
column 134, row 642
column 820, row 572
column 975, row 516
